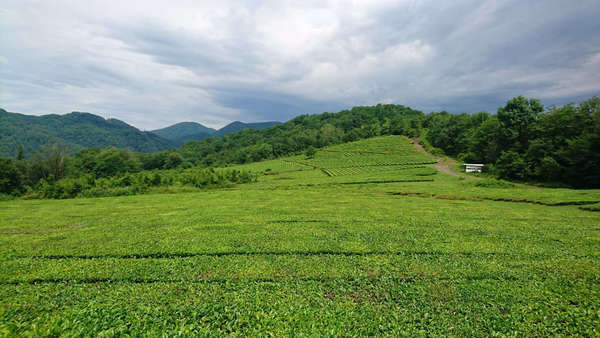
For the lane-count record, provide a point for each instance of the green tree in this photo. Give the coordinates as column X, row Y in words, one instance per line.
column 49, row 164
column 511, row 165
column 20, row 156
column 310, row 152
column 10, row 177
column 173, row 161
column 517, row 119
column 329, row 134
column 114, row 161
column 484, row 141
column 548, row 170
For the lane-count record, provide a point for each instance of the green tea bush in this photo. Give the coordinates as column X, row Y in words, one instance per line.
column 593, row 207
column 6, row 197
column 493, row 183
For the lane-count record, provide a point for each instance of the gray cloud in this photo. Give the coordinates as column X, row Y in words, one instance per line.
column 152, row 63
column 261, row 105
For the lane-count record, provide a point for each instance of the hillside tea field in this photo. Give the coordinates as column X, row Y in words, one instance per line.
column 364, row 238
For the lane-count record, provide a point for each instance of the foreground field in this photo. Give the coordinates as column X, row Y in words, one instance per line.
column 362, row 239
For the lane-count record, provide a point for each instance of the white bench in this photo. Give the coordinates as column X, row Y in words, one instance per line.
column 473, row 167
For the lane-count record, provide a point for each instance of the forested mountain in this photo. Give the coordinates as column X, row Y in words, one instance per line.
column 304, row 131
column 184, row 132
column 238, row 126
column 79, row 130
column 75, row 130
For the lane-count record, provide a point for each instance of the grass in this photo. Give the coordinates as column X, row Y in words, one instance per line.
column 591, row 207
column 367, row 252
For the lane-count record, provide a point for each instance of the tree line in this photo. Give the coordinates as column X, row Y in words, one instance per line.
column 523, row 141
column 526, row 142
column 95, row 172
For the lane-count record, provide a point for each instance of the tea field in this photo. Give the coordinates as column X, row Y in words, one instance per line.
column 363, row 238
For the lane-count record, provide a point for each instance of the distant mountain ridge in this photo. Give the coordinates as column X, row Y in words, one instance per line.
column 183, row 129
column 237, row 126
column 181, row 133
column 79, row 130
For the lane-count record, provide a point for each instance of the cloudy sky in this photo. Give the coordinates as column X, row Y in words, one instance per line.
column 154, row 63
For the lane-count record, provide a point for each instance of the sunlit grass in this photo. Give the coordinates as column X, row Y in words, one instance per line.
column 380, row 249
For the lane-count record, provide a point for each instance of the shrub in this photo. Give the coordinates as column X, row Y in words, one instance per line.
column 548, row 169
column 310, row 152
column 511, row 165
column 10, row 177
column 492, row 183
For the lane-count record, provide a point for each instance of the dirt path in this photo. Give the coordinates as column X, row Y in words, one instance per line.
column 444, row 165
column 447, row 165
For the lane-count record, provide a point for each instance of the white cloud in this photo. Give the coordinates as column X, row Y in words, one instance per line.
column 152, row 63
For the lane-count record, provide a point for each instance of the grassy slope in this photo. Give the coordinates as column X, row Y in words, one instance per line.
column 304, row 252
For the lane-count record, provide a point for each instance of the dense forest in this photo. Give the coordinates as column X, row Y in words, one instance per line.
column 76, row 130
column 523, row 141
column 302, row 132
column 96, row 172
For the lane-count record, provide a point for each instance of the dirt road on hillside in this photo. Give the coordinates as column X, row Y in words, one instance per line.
column 445, row 165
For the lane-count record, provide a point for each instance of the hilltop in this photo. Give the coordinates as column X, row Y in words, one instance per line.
column 238, row 126
column 77, row 130
column 184, row 132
